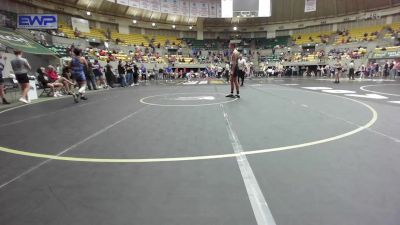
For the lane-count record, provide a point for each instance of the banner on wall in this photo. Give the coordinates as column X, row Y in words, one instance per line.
column 37, row 21
column 144, row 4
column 155, row 5
column 184, row 7
column 212, row 11
column 170, row 6
column 310, row 6
column 226, row 8
column 199, row 8
column 14, row 40
column 194, row 9
column 123, row 2
column 203, row 8
column 219, row 10
column 134, row 3
column 81, row 24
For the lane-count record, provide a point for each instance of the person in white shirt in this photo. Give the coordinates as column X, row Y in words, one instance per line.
column 226, row 72
column 363, row 70
column 242, row 69
column 351, row 70
column 2, row 66
column 219, row 71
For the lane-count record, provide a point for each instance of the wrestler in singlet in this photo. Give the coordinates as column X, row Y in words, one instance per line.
column 234, row 72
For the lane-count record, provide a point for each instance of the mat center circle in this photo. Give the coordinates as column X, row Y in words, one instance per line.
column 187, row 99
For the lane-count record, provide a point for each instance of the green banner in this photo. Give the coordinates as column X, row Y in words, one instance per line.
column 386, row 55
column 15, row 40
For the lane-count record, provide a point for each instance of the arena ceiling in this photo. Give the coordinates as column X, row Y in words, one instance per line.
column 282, row 11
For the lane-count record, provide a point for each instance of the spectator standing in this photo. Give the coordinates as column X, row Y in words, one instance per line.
column 109, row 74
column 227, row 71
column 135, row 75
column 96, row 67
column 386, row 70
column 397, row 68
column 242, row 69
column 392, row 70
column 363, row 71
column 351, row 70
column 2, row 66
column 121, row 73
column 129, row 72
column 155, row 71
column 90, row 79
column 21, row 68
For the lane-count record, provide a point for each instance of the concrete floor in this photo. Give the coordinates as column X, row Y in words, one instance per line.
column 317, row 158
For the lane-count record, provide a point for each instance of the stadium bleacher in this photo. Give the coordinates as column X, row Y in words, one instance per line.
column 369, row 33
column 130, row 39
column 166, row 40
column 311, row 38
column 95, row 33
column 268, row 43
column 67, row 30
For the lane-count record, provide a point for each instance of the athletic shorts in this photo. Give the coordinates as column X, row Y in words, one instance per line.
column 236, row 72
column 79, row 77
column 97, row 73
column 22, row 78
column 1, row 80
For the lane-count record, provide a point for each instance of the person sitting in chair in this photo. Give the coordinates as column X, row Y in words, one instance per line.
column 47, row 83
column 55, row 78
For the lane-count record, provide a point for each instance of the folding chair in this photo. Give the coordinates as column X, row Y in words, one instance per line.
column 45, row 90
column 10, row 84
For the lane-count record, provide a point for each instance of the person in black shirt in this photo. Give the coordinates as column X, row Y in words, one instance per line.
column 386, row 70
column 109, row 74
column 129, row 73
column 121, row 73
column 91, row 81
column 135, row 75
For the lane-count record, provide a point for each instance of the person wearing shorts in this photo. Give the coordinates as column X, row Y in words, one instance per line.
column 96, row 67
column 90, row 79
column 234, row 72
column 351, row 70
column 339, row 68
column 242, row 69
column 108, row 72
column 21, row 68
column 43, row 78
column 77, row 66
column 2, row 66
